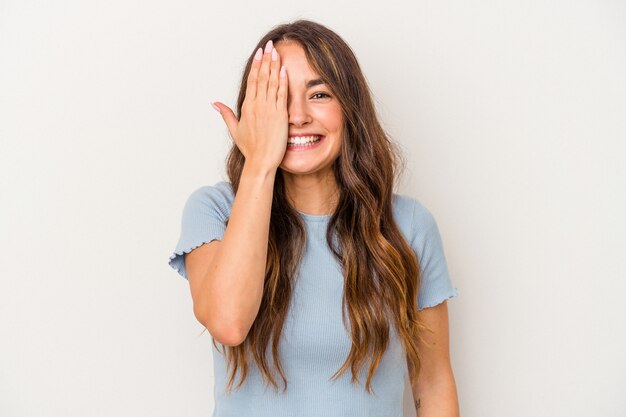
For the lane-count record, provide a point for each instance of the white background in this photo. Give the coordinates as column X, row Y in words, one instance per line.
column 512, row 115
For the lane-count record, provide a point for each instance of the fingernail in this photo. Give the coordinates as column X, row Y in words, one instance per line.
column 259, row 54
column 282, row 71
column 268, row 46
column 216, row 108
column 274, row 54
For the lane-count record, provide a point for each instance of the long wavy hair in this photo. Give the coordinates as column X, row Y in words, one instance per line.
column 381, row 270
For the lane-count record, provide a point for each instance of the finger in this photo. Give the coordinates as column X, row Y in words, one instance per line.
column 264, row 72
column 253, row 74
column 229, row 118
column 283, row 85
column 273, row 81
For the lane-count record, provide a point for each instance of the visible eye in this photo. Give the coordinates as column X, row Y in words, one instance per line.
column 318, row 94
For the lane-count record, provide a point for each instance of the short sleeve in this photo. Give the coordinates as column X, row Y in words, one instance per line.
column 203, row 220
column 435, row 284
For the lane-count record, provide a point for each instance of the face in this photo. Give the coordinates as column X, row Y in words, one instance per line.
column 313, row 110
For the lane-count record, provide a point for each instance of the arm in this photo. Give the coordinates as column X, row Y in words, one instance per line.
column 227, row 286
column 434, row 390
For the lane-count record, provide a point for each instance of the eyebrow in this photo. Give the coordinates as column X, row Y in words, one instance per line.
column 313, row 83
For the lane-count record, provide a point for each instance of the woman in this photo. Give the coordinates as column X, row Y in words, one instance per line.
column 306, row 258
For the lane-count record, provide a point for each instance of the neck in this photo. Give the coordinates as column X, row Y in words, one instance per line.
column 312, row 194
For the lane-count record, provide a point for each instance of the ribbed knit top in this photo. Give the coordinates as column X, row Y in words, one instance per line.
column 314, row 343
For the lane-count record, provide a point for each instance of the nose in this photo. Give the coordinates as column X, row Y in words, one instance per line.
column 298, row 112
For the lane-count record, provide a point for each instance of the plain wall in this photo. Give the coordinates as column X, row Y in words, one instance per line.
column 512, row 115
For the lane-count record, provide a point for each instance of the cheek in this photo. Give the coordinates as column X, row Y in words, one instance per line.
column 334, row 120
column 331, row 116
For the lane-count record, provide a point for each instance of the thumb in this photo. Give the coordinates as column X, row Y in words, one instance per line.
column 228, row 115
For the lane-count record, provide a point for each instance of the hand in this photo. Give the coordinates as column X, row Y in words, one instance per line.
column 261, row 131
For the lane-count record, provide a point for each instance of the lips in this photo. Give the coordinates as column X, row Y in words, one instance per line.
column 305, row 146
column 298, row 140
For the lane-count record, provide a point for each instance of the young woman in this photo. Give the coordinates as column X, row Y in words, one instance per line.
column 305, row 266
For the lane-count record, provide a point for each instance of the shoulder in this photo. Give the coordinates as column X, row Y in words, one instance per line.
column 210, row 200
column 217, row 198
column 413, row 217
column 204, row 219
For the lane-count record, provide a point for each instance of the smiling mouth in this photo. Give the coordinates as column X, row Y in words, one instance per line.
column 300, row 139
column 306, row 145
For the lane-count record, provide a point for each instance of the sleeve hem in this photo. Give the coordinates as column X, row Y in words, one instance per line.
column 450, row 295
column 177, row 258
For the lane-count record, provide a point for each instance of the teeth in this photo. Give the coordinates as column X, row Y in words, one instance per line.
column 303, row 139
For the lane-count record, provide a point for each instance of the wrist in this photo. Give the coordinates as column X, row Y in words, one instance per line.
column 258, row 170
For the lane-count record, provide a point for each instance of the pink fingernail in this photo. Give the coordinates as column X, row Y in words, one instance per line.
column 216, row 108
column 259, row 54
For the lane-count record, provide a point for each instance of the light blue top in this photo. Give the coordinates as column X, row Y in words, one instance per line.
column 314, row 342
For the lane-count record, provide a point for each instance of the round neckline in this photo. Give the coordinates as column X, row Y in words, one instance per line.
column 315, row 217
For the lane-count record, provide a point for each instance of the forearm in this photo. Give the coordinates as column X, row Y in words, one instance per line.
column 437, row 399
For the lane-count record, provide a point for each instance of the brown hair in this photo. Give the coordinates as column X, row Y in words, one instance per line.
column 381, row 270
